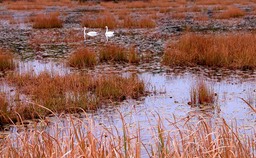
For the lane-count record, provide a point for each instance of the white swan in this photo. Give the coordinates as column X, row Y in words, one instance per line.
column 91, row 33
column 109, row 33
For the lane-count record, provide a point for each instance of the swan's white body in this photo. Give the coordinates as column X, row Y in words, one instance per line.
column 109, row 33
column 91, row 33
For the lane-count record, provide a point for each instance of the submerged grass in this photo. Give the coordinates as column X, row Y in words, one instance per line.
column 231, row 51
column 6, row 61
column 202, row 94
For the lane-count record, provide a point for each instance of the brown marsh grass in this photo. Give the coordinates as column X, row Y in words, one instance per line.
column 24, row 5
column 74, row 91
column 82, row 58
column 6, row 61
column 230, row 50
column 113, row 52
column 117, row 53
column 35, row 4
column 202, row 94
column 43, row 21
column 84, row 138
column 231, row 12
column 143, row 22
column 105, row 19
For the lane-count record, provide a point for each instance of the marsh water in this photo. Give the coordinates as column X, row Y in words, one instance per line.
column 169, row 94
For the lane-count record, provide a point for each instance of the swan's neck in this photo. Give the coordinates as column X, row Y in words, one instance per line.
column 106, row 29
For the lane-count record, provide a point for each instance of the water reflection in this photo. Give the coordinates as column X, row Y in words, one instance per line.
column 38, row 66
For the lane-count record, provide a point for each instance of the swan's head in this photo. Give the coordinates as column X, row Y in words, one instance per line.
column 84, row 28
column 106, row 27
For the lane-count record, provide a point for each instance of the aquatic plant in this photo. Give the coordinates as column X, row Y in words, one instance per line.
column 43, row 21
column 6, row 61
column 202, row 94
column 230, row 50
column 73, row 91
column 82, row 58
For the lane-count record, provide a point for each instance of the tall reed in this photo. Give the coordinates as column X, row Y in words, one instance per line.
column 43, row 21
column 230, row 50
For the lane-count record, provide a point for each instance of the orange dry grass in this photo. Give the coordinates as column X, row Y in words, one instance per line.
column 43, row 21
column 231, row 12
column 73, row 91
column 113, row 52
column 107, row 19
column 24, row 5
column 232, row 51
column 116, row 53
column 82, row 58
column 202, row 94
column 6, row 61
column 190, row 137
column 137, row 4
column 144, row 22
column 36, row 4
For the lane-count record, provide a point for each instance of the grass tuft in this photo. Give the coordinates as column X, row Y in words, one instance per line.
column 107, row 19
column 43, row 21
column 231, row 12
column 113, row 52
column 231, row 51
column 144, row 22
column 82, row 58
column 202, row 94
column 64, row 93
column 117, row 53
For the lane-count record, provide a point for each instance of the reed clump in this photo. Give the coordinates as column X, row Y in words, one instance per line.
column 202, row 94
column 44, row 21
column 230, row 51
column 65, row 93
column 117, row 53
column 6, row 61
column 231, row 12
column 83, row 58
column 196, row 138
column 143, row 22
column 107, row 19
column 118, row 88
